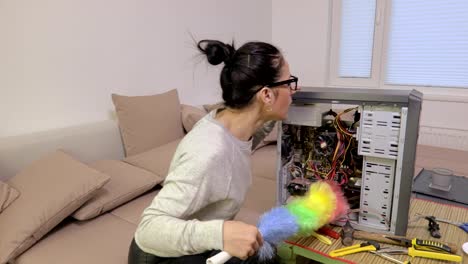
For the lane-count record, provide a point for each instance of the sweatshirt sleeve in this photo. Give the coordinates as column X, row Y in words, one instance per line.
column 262, row 132
column 163, row 230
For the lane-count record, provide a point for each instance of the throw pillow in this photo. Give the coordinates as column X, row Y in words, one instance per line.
column 157, row 160
column 8, row 195
column 51, row 189
column 126, row 183
column 149, row 121
column 190, row 116
column 210, row 107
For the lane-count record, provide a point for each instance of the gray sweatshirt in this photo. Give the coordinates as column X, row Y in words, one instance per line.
column 208, row 179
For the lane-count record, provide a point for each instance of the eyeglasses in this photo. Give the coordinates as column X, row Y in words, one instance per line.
column 291, row 82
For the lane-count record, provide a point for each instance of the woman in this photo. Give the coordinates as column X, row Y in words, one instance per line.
column 191, row 217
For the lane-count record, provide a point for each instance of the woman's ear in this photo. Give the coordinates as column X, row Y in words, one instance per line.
column 267, row 96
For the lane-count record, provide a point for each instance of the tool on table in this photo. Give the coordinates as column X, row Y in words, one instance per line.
column 390, row 258
column 433, row 227
column 463, row 226
column 421, row 244
column 381, row 238
column 412, row 252
column 347, row 234
column 324, row 230
column 367, row 246
column 321, row 238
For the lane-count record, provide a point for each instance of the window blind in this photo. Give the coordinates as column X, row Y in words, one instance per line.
column 428, row 43
column 357, row 38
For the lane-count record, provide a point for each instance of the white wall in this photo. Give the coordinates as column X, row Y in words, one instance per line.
column 301, row 28
column 61, row 59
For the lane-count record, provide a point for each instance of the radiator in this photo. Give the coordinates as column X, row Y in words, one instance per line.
column 443, row 137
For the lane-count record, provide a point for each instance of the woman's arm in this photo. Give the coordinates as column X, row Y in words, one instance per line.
column 163, row 230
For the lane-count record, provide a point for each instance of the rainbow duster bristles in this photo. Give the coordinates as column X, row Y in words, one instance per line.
column 275, row 226
column 341, row 205
column 323, row 203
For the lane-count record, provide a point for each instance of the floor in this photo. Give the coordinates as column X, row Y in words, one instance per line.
column 429, row 157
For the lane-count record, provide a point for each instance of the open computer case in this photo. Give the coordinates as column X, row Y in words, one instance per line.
column 363, row 139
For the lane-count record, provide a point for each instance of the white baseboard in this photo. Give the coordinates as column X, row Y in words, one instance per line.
column 443, row 137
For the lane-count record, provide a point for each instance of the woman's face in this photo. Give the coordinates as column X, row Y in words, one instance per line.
column 283, row 99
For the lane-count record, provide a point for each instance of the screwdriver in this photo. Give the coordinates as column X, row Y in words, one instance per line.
column 463, row 226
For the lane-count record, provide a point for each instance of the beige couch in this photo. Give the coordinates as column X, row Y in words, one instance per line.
column 105, row 239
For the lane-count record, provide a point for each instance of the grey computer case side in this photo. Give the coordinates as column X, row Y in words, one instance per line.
column 377, row 165
column 408, row 160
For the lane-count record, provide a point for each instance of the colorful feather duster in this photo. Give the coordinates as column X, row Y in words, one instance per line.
column 323, row 203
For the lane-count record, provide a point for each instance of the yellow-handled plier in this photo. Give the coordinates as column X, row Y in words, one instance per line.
column 412, row 252
column 367, row 246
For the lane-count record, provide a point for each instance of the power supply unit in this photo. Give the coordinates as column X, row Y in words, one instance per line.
column 364, row 140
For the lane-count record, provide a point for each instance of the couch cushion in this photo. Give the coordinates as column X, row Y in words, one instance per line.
column 264, row 162
column 156, row 160
column 191, row 115
column 248, row 216
column 131, row 212
column 261, row 196
column 149, row 121
column 103, row 240
column 126, row 183
column 8, row 195
column 51, row 189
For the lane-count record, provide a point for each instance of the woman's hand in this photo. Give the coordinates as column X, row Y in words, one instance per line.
column 240, row 239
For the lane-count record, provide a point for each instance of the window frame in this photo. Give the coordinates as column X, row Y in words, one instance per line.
column 335, row 34
column 379, row 59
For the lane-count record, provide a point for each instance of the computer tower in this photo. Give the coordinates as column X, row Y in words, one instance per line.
column 364, row 140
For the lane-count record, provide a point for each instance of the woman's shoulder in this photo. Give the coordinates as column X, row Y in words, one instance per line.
column 206, row 130
column 205, row 138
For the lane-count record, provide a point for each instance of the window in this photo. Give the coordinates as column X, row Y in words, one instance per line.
column 399, row 42
column 428, row 43
column 357, row 38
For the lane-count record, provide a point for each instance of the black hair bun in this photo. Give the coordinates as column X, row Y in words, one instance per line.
column 216, row 51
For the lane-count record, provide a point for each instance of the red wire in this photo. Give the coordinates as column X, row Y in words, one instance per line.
column 314, row 167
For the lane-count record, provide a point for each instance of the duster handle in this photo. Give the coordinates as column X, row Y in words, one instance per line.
column 219, row 258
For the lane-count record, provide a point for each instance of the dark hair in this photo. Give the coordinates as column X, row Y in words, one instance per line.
column 246, row 69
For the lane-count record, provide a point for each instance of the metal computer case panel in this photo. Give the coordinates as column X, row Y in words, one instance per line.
column 402, row 154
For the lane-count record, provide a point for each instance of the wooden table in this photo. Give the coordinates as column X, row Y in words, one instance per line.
column 427, row 157
column 311, row 248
